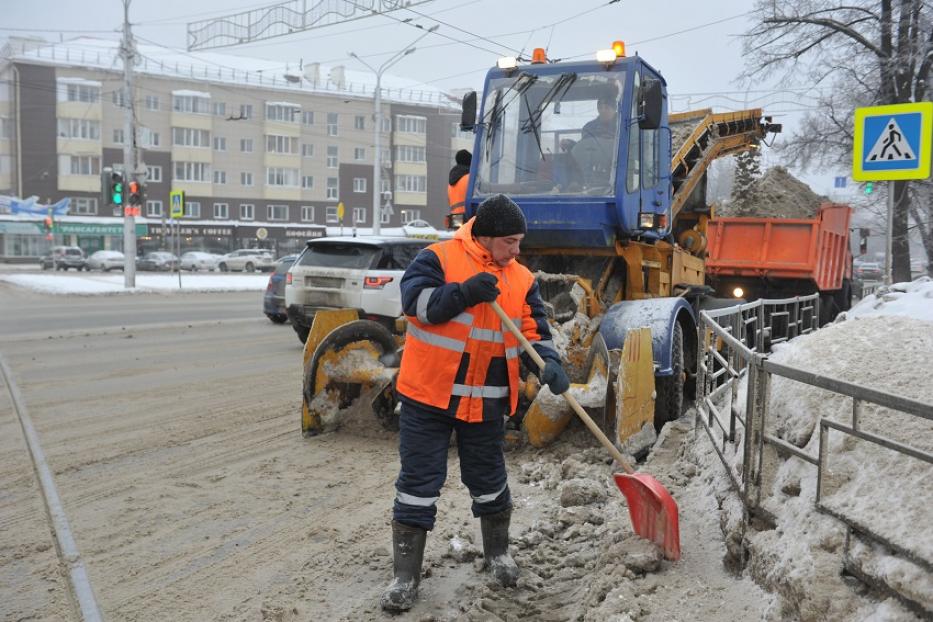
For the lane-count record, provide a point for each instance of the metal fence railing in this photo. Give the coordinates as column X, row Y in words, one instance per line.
column 735, row 343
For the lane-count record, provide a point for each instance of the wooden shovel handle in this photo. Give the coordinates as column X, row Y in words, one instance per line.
column 526, row 346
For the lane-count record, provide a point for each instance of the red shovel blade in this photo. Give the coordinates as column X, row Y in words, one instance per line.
column 653, row 511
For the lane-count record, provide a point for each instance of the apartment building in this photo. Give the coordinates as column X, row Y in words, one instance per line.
column 261, row 149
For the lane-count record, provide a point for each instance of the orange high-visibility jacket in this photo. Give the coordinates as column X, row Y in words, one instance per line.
column 433, row 353
column 456, row 195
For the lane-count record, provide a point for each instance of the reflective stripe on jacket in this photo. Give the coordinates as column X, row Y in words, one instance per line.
column 453, row 356
column 456, row 195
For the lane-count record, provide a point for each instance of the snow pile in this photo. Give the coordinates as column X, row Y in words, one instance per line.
column 92, row 283
column 913, row 299
column 890, row 493
column 776, row 194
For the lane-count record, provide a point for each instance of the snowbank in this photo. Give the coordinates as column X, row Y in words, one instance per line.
column 892, row 494
column 90, row 284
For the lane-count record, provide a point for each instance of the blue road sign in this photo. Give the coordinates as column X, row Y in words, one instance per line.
column 892, row 142
column 839, row 182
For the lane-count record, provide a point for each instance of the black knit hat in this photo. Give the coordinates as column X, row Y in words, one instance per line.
column 463, row 157
column 499, row 216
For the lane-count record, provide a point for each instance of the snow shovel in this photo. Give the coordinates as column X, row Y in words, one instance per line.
column 651, row 506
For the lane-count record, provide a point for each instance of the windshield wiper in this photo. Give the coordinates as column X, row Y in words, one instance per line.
column 560, row 87
column 521, row 84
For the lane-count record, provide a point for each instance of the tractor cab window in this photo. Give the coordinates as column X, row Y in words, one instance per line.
column 551, row 135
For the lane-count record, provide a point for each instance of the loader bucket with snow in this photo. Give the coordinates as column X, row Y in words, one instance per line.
column 345, row 358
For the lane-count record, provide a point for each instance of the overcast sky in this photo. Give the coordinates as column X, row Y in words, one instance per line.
column 696, row 45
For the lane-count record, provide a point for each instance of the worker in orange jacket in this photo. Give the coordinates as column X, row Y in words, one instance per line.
column 457, row 183
column 460, row 372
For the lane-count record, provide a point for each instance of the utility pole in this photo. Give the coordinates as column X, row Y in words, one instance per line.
column 128, row 53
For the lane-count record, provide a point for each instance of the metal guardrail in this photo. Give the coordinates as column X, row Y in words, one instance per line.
column 735, row 342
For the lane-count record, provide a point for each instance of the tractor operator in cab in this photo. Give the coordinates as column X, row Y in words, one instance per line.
column 594, row 153
column 457, row 184
column 460, row 372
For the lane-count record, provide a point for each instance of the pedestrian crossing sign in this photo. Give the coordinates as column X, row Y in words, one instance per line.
column 892, row 142
column 177, row 202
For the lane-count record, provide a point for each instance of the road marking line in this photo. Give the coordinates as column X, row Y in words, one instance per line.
column 67, row 549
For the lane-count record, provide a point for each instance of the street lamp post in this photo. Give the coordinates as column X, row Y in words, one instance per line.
column 377, row 122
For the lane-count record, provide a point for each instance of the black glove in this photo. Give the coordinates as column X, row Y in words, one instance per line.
column 554, row 376
column 479, row 288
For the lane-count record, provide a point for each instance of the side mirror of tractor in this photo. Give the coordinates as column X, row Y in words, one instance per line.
column 649, row 105
column 468, row 116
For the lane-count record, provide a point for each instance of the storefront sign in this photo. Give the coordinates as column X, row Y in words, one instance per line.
column 191, row 230
column 309, row 234
column 23, row 228
column 84, row 228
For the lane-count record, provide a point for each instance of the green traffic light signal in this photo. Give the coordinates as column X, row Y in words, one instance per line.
column 869, row 187
column 117, row 193
column 117, row 198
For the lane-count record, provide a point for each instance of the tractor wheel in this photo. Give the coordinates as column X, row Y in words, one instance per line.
column 669, row 402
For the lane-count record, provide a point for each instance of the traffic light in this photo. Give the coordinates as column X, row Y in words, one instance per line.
column 864, row 233
column 869, row 187
column 49, row 226
column 111, row 183
column 137, row 193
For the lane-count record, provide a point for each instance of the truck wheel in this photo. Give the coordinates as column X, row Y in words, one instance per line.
column 670, row 389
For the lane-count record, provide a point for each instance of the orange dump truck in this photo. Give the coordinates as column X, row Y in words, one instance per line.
column 754, row 258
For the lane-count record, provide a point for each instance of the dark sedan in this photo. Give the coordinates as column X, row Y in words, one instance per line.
column 158, row 260
column 273, row 302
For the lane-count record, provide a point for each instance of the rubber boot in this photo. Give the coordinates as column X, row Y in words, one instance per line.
column 495, row 529
column 408, row 552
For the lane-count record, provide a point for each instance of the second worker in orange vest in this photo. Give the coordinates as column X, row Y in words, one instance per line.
column 460, row 372
column 458, row 180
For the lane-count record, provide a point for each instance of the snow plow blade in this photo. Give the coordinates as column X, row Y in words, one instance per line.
column 343, row 358
column 549, row 414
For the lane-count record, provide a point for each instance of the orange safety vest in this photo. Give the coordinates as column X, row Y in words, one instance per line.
column 456, row 195
column 433, row 352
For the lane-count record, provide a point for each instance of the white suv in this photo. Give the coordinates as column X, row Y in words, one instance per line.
column 349, row 273
column 248, row 260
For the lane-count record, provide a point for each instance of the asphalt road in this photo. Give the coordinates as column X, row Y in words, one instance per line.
column 25, row 313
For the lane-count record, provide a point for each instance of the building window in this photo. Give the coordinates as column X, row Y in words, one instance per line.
column 118, row 99
column 277, row 212
column 409, row 215
column 80, row 129
column 220, row 143
column 332, row 122
column 386, row 124
column 307, row 181
column 359, row 215
column 359, row 184
column 330, row 215
column 84, row 205
column 79, row 165
column 148, row 138
column 246, row 211
column 359, row 153
column 220, row 177
column 246, row 145
column 246, row 179
column 192, row 104
column 190, row 137
column 192, row 171
column 281, row 112
column 307, row 150
column 359, row 122
column 153, row 174
column 386, row 184
column 386, row 156
column 410, row 124
column 277, row 176
column 384, row 216
column 332, row 156
column 332, row 189
column 456, row 132
column 152, row 102
column 154, row 209
column 246, row 111
column 307, row 117
column 219, row 109
column 86, row 93
column 307, row 213
column 281, row 144
column 411, row 183
column 409, row 153
column 192, row 209
column 221, row 210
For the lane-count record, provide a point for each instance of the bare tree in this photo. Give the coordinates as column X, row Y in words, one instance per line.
column 855, row 53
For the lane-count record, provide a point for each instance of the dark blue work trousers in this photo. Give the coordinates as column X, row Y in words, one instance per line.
column 424, row 438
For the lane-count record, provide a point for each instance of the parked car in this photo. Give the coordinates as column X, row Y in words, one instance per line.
column 157, row 260
column 273, row 302
column 63, row 258
column 105, row 261
column 197, row 260
column 868, row 271
column 355, row 273
column 248, row 260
